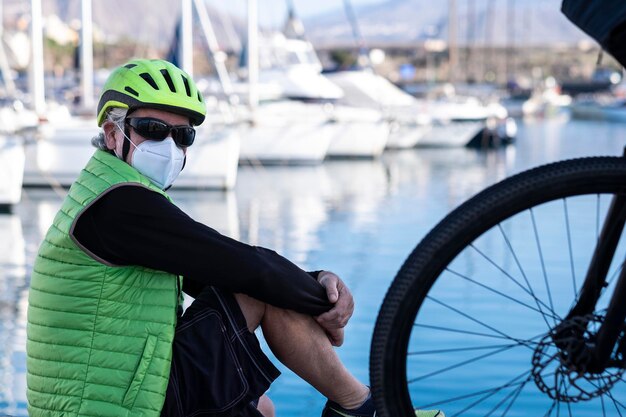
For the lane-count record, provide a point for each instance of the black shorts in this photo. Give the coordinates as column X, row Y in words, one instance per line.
column 218, row 367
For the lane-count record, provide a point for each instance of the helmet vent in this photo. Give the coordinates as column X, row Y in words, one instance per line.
column 148, row 78
column 168, row 80
column 199, row 97
column 186, row 82
column 133, row 92
column 129, row 66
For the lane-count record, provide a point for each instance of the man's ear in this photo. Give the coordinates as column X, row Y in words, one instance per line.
column 109, row 130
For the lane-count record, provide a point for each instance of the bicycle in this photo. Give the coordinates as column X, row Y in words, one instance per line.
column 513, row 305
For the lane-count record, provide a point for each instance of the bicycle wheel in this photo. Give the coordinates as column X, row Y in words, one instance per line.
column 465, row 324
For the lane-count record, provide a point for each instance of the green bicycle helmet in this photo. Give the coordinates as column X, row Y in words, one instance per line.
column 152, row 83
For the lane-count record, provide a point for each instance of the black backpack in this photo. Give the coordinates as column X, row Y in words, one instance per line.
column 603, row 20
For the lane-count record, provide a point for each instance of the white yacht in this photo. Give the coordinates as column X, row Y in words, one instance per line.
column 461, row 120
column 284, row 133
column 307, row 107
column 11, row 170
column 407, row 118
column 63, row 147
column 60, row 149
column 292, row 67
column 212, row 161
column 603, row 107
column 445, row 120
column 15, row 122
column 357, row 133
column 542, row 100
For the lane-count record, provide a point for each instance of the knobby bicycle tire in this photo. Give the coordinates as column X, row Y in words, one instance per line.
column 464, row 225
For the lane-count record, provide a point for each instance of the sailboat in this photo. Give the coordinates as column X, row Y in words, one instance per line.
column 290, row 65
column 212, row 162
column 363, row 88
column 267, row 133
column 445, row 120
column 14, row 118
column 11, row 171
column 63, row 146
column 408, row 119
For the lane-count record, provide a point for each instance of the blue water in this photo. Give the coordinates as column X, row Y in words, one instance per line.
column 357, row 218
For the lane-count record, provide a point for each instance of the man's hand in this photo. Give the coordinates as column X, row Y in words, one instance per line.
column 334, row 320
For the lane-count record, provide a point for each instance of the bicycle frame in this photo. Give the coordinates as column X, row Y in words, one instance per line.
column 607, row 336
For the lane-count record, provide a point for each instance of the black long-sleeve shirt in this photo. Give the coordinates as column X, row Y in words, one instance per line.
column 132, row 225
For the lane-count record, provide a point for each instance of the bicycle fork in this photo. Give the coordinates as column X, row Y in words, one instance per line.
column 596, row 355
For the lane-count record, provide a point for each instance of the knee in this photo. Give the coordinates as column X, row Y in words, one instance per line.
column 266, row 406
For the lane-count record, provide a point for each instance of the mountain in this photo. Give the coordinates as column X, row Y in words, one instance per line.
column 151, row 22
column 479, row 22
column 405, row 22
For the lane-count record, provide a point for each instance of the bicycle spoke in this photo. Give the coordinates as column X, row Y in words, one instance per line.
column 553, row 315
column 615, row 402
column 569, row 247
column 466, row 332
column 615, row 274
column 615, row 405
column 597, row 217
column 563, row 388
column 489, row 392
column 515, row 281
column 476, row 320
column 462, row 349
column 514, row 397
column 550, row 410
column 510, row 246
column 603, row 406
column 543, row 264
column 495, row 408
column 609, row 281
column 457, row 365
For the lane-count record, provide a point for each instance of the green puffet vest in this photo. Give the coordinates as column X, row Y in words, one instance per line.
column 99, row 336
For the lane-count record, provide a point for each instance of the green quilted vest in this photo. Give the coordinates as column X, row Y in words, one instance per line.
column 99, row 336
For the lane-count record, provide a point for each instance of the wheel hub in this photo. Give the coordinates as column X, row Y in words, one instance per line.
column 561, row 361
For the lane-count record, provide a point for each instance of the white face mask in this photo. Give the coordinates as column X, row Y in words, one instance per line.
column 161, row 161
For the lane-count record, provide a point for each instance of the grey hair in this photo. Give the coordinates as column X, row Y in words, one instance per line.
column 116, row 115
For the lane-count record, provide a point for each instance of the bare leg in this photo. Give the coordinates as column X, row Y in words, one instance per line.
column 301, row 344
column 266, row 406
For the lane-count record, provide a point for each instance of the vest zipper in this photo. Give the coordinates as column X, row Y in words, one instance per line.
column 179, row 306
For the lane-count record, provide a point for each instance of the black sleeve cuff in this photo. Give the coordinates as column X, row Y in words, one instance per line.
column 315, row 274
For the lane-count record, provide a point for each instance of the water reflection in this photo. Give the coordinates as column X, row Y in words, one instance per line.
column 358, row 188
column 215, row 209
column 282, row 207
column 360, row 218
column 13, row 299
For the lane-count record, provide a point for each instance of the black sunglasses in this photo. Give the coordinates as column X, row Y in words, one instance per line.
column 155, row 129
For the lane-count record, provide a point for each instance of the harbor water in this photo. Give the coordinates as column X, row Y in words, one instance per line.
column 358, row 218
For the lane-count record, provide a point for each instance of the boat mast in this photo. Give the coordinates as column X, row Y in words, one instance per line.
column 9, row 85
column 86, row 55
column 490, row 42
column 356, row 33
column 217, row 55
column 470, row 41
column 186, row 37
column 510, row 47
column 37, row 87
column 452, row 41
column 253, row 58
